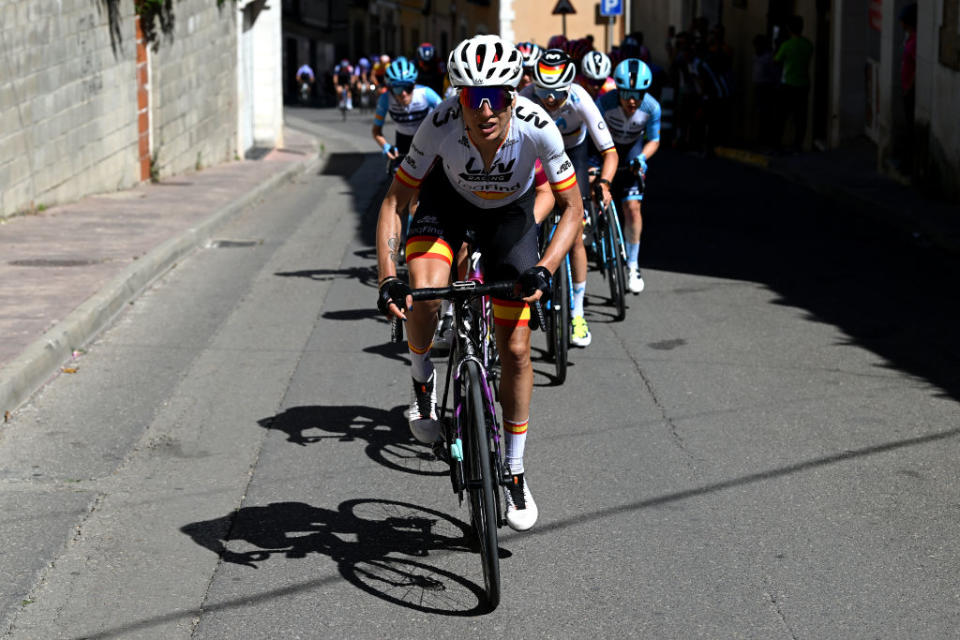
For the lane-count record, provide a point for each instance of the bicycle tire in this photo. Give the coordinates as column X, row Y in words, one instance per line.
column 481, row 487
column 561, row 320
column 616, row 275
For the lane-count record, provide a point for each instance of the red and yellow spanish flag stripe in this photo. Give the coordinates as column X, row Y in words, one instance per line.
column 493, row 195
column 516, row 428
column 563, row 185
column 407, row 179
column 418, row 350
column 429, row 247
column 511, row 313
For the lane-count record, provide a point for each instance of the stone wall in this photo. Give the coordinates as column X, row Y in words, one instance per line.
column 68, row 99
column 193, row 81
column 67, row 102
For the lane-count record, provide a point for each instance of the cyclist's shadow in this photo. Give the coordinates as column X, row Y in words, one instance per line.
column 386, row 433
column 378, row 546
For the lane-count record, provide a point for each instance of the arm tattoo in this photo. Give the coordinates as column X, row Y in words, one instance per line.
column 394, row 244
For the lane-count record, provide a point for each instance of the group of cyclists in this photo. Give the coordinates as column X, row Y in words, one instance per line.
column 514, row 137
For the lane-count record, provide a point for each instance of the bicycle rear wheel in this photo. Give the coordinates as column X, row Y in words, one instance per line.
column 481, row 484
column 615, row 268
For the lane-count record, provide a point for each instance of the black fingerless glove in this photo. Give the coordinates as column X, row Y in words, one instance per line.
column 534, row 279
column 392, row 290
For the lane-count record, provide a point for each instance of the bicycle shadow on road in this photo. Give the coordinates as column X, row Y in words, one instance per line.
column 386, row 434
column 380, row 546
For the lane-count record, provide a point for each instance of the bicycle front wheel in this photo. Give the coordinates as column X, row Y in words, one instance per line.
column 561, row 320
column 481, row 484
column 615, row 266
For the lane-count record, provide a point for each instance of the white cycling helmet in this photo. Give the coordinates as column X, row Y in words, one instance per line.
column 485, row 61
column 596, row 65
column 530, row 52
column 554, row 70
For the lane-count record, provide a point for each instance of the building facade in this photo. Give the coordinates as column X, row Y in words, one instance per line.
column 855, row 91
column 94, row 97
column 534, row 21
column 323, row 32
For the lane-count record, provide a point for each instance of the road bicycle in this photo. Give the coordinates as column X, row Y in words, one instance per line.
column 472, row 438
column 609, row 248
column 558, row 305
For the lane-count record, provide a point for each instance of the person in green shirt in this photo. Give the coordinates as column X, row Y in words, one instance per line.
column 795, row 55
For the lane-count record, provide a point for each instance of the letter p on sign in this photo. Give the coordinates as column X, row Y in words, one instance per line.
column 611, row 7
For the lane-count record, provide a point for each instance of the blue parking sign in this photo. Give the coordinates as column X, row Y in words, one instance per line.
column 611, row 7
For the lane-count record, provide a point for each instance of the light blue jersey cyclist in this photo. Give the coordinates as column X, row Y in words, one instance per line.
column 633, row 117
column 407, row 103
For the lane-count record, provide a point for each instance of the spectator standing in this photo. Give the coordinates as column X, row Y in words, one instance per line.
column 685, row 89
column 795, row 55
column 766, row 77
column 908, row 77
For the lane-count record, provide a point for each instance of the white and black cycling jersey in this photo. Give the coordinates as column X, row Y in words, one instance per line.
column 531, row 134
column 406, row 117
column 577, row 116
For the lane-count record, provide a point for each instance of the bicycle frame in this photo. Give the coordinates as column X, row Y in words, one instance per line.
column 475, row 342
column 554, row 219
column 609, row 215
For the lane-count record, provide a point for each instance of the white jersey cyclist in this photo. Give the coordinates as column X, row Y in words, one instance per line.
column 406, row 117
column 576, row 117
column 530, row 135
column 633, row 130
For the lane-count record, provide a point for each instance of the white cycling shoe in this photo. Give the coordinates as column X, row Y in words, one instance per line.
column 634, row 280
column 422, row 417
column 521, row 509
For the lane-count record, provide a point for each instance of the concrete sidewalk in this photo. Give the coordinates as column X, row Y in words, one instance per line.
column 849, row 175
column 67, row 271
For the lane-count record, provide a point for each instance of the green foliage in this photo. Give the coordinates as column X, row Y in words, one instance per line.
column 157, row 17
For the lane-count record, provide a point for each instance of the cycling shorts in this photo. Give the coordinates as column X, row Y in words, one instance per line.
column 505, row 236
column 402, row 143
column 624, row 182
column 578, row 156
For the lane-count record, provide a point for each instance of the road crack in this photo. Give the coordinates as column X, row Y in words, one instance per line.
column 672, row 428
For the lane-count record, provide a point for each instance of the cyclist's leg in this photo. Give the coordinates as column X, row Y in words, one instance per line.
column 431, row 245
column 578, row 253
column 509, row 244
column 633, row 226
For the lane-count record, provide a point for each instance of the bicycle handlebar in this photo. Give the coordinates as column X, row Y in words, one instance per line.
column 465, row 290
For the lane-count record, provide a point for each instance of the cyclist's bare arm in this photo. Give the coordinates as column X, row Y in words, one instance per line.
column 382, row 140
column 608, row 171
column 571, row 206
column 390, row 228
column 651, row 148
column 543, row 203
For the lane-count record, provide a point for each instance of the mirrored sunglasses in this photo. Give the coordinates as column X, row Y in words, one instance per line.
column 547, row 94
column 632, row 94
column 405, row 87
column 497, row 97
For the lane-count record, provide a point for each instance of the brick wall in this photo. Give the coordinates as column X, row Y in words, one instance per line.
column 69, row 101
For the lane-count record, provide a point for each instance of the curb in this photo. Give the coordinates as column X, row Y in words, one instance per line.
column 895, row 219
column 41, row 360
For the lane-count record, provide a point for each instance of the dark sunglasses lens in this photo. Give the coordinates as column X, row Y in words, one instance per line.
column 632, row 94
column 401, row 88
column 474, row 97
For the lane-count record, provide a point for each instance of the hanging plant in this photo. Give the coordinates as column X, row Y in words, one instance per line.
column 158, row 14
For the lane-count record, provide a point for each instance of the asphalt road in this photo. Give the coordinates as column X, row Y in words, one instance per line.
column 765, row 448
